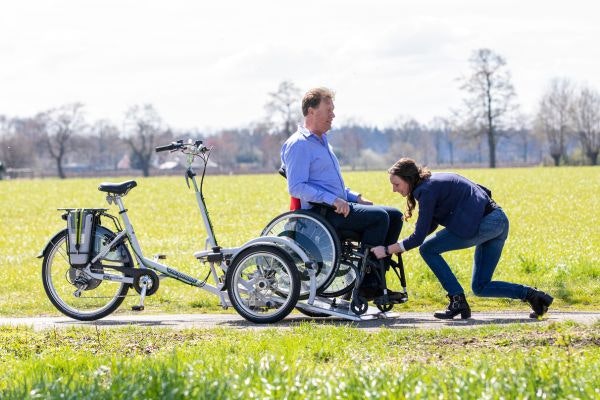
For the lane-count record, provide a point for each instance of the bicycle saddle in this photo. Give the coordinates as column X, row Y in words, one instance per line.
column 117, row 188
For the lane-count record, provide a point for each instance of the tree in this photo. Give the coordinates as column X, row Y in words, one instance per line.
column 491, row 97
column 142, row 129
column 586, row 116
column 351, row 144
column 554, row 116
column 20, row 143
column 106, row 148
column 61, row 124
column 522, row 133
column 283, row 108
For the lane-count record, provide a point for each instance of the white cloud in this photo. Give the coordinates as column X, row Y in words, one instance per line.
column 213, row 63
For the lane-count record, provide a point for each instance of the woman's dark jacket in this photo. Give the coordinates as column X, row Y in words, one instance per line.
column 449, row 200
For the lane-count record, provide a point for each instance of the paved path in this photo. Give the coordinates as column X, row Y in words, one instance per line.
column 399, row 320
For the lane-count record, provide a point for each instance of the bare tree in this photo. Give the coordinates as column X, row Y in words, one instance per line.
column 106, row 147
column 142, row 129
column 441, row 129
column 283, row 108
column 491, row 97
column 21, row 143
column 352, row 144
column 61, row 124
column 586, row 116
column 228, row 144
column 522, row 135
column 554, row 116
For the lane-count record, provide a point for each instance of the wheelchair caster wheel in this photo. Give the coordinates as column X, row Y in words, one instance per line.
column 359, row 307
column 385, row 307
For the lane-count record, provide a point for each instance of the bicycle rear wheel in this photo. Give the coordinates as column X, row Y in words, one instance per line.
column 98, row 298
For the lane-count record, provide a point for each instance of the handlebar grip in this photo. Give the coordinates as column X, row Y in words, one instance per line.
column 165, row 148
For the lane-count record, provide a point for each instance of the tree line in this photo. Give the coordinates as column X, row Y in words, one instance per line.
column 486, row 129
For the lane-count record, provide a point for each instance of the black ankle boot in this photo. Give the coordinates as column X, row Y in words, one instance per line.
column 458, row 305
column 539, row 302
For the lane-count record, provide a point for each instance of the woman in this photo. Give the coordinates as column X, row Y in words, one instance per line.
column 471, row 218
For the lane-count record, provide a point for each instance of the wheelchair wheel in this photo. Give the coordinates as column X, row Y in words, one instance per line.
column 263, row 284
column 359, row 306
column 385, row 307
column 316, row 237
column 343, row 281
column 98, row 298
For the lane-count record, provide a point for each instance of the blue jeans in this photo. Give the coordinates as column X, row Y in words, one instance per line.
column 488, row 242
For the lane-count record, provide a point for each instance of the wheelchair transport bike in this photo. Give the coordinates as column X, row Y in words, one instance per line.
column 299, row 261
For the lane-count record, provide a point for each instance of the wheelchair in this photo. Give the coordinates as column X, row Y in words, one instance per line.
column 333, row 288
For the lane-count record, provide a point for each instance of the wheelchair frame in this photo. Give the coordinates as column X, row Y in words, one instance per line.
column 323, row 305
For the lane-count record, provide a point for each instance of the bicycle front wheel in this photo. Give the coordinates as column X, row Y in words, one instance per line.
column 75, row 293
column 263, row 284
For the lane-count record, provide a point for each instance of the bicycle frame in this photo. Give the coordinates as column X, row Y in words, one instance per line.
column 215, row 256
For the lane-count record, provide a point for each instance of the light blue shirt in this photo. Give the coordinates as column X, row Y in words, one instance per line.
column 313, row 171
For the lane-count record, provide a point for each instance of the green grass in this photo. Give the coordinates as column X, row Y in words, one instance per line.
column 553, row 243
column 307, row 361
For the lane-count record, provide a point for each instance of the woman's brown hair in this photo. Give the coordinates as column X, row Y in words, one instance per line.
column 407, row 170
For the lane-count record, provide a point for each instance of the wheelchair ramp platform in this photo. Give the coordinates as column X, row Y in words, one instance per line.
column 341, row 308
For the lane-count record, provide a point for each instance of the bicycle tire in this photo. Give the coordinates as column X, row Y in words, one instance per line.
column 101, row 298
column 263, row 284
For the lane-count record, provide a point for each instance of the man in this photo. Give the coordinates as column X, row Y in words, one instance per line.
column 313, row 175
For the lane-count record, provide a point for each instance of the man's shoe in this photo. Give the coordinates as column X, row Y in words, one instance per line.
column 458, row 305
column 539, row 302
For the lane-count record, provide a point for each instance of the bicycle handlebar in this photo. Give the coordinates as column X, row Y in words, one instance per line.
column 172, row 146
column 191, row 147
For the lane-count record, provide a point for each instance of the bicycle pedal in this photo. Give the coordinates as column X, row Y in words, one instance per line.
column 137, row 308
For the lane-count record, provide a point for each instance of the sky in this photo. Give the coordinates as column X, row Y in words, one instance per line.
column 212, row 64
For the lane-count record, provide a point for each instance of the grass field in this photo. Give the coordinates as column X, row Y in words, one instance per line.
column 553, row 243
column 308, row 361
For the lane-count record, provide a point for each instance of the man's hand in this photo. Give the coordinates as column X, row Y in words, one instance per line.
column 379, row 251
column 362, row 200
column 341, row 207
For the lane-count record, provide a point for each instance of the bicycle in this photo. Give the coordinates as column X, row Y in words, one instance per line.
column 259, row 279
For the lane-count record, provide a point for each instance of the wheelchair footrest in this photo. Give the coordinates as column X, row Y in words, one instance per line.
column 394, row 298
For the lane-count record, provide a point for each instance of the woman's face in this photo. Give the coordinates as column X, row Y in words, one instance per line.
column 399, row 185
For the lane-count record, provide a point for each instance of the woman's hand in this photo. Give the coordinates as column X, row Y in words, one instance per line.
column 379, row 251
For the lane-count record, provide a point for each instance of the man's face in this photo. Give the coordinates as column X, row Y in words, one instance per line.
column 323, row 116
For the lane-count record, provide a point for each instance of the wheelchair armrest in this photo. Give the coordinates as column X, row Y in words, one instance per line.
column 322, row 205
column 282, row 172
